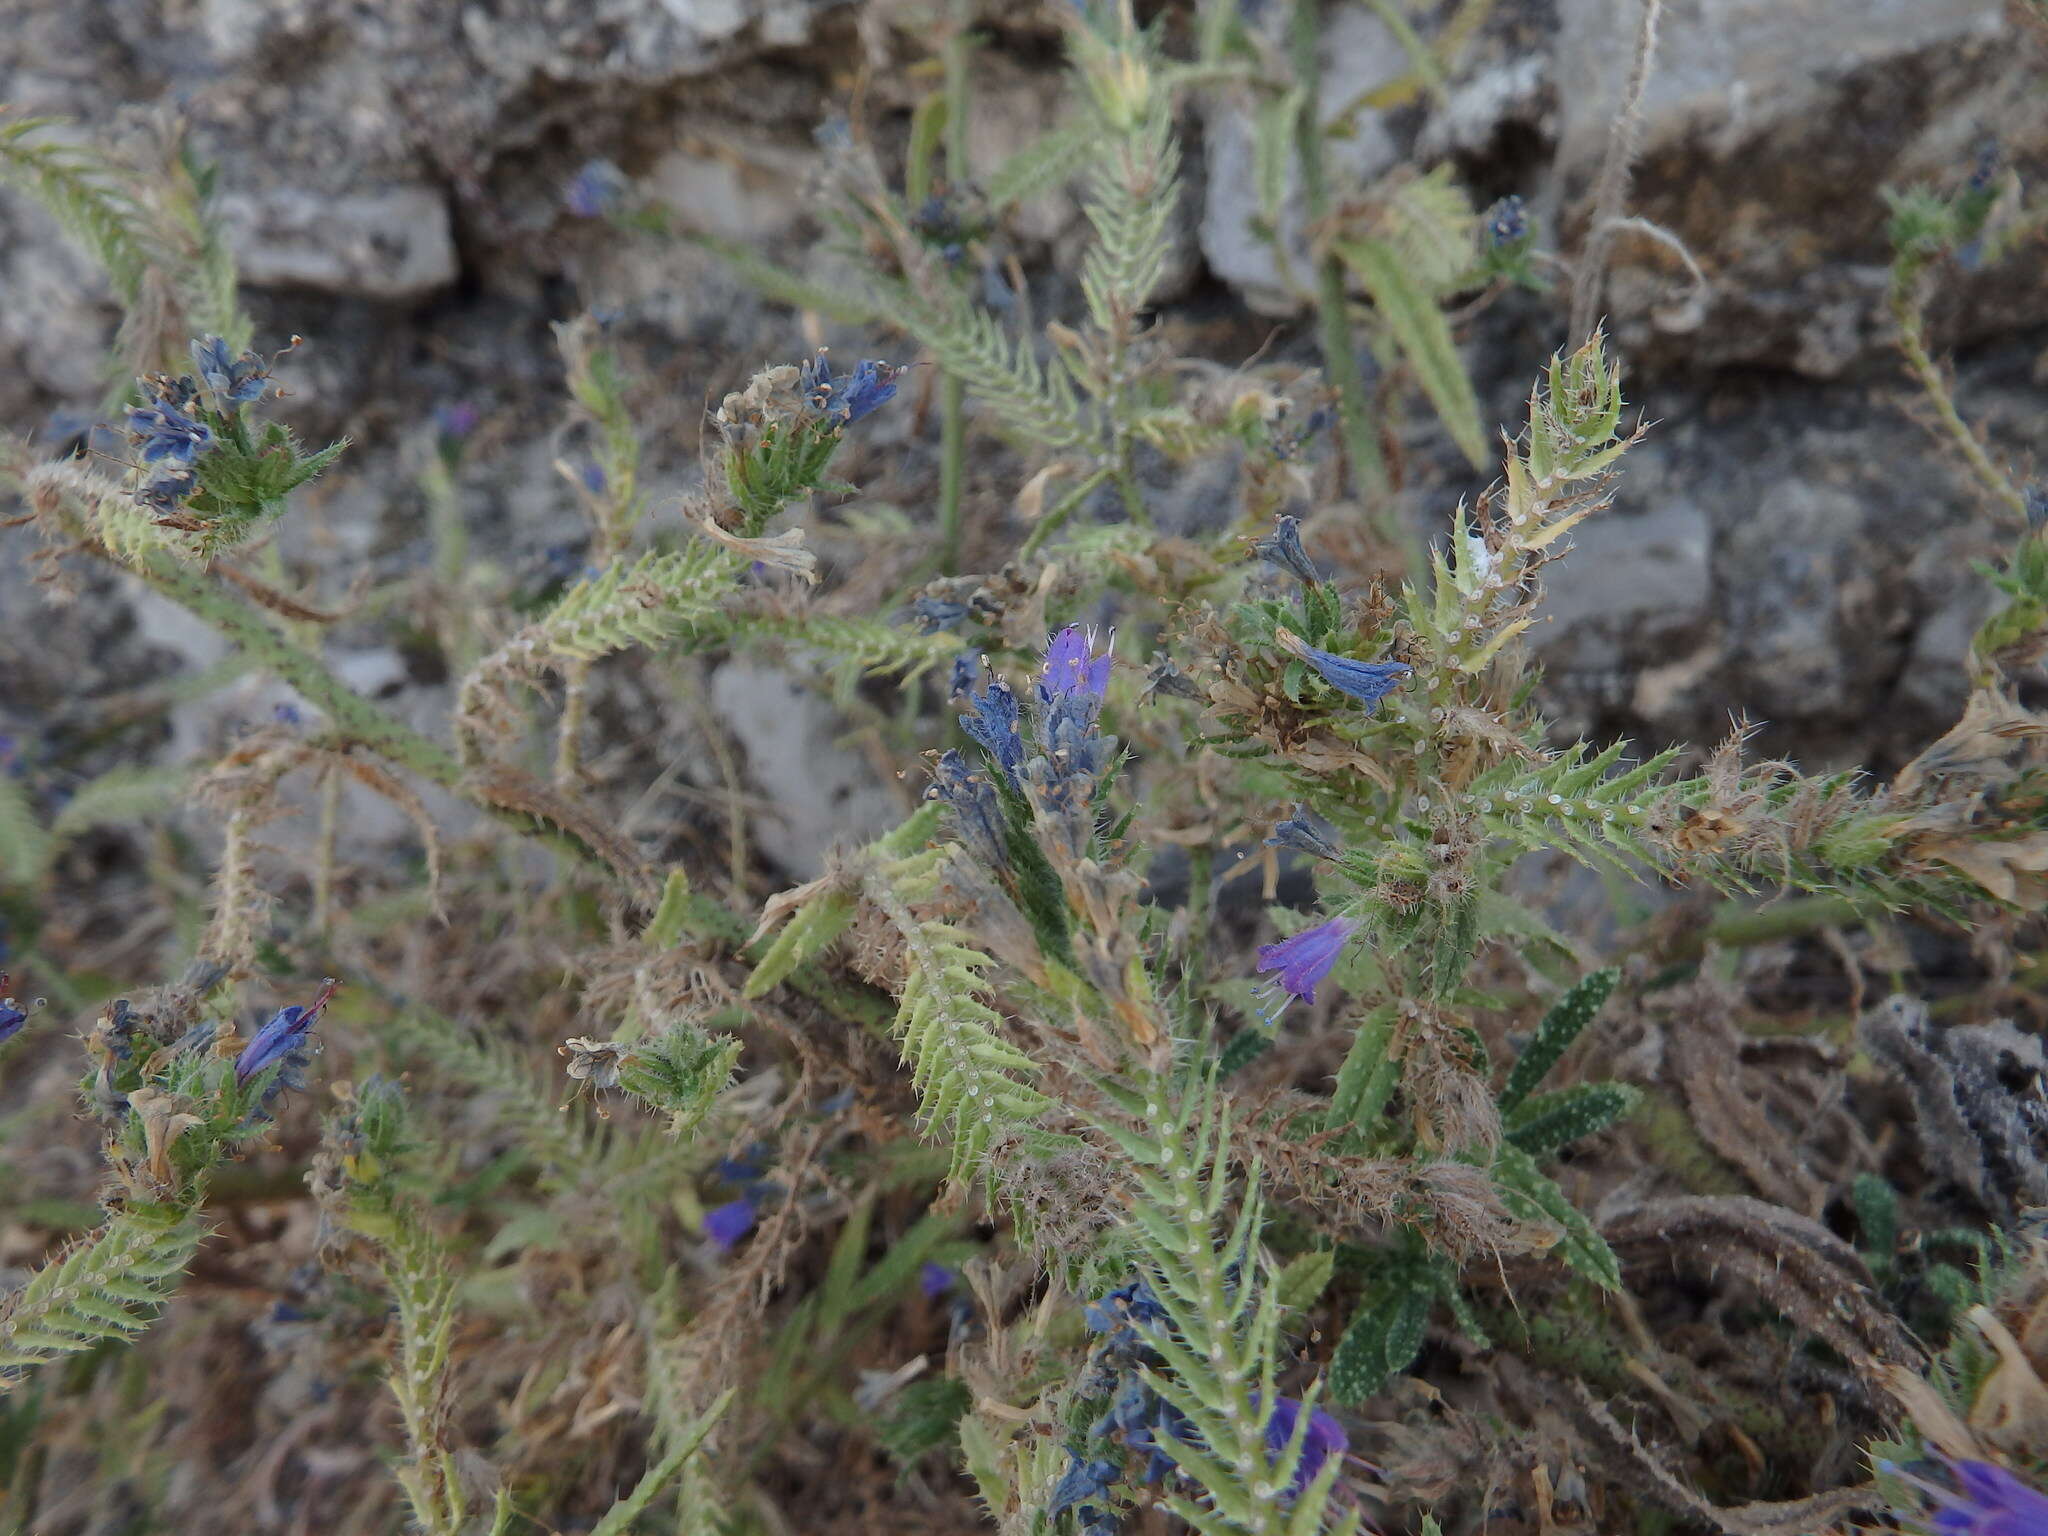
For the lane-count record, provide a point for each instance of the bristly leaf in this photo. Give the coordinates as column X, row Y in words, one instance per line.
column 1543, row 1125
column 1567, row 1018
column 1384, row 1337
column 108, row 1287
column 1424, row 337
column 1532, row 1196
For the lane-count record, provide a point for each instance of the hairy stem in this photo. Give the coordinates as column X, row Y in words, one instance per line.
column 1908, row 301
column 1611, row 194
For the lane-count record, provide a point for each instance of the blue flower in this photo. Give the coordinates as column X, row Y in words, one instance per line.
column 595, row 189
column 165, row 490
column 1507, row 221
column 994, row 725
column 934, row 615
column 236, row 380
column 872, row 386
column 163, row 432
column 11, row 1017
column 283, row 1035
column 1298, row 833
column 1075, row 754
column 726, row 1224
column 1304, row 960
column 977, row 811
column 1121, row 1312
column 1366, row 681
column 1323, row 1438
column 935, row 1280
column 1282, row 547
column 1080, row 1486
column 966, row 671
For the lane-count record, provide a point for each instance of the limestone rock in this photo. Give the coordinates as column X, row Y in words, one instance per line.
column 393, row 243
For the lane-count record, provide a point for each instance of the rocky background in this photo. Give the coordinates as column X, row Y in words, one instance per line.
column 1788, row 541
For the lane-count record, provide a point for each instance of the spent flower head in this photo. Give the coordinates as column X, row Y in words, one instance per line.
column 1282, row 547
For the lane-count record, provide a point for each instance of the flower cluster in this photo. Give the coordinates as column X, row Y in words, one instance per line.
column 1060, row 769
column 168, row 438
column 177, row 425
column 872, row 386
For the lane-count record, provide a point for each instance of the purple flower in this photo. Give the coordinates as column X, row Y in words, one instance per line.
column 935, row 1280
column 1323, row 1438
column 1989, row 1501
column 593, row 478
column 283, row 1035
column 1304, row 960
column 456, row 421
column 726, row 1224
column 1282, row 547
column 236, row 380
column 594, row 189
column 1366, row 681
column 1072, row 668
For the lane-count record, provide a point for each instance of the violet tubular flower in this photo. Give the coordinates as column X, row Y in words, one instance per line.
column 1323, row 1439
column 726, row 1224
column 1366, row 681
column 283, row 1035
column 1072, row 669
column 1987, row 1501
column 1306, row 959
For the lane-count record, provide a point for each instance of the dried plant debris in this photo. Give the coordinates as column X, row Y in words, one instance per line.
column 1980, row 1101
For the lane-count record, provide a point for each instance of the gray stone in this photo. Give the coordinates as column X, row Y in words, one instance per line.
column 393, row 243
column 1359, row 53
column 821, row 793
column 1768, row 131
